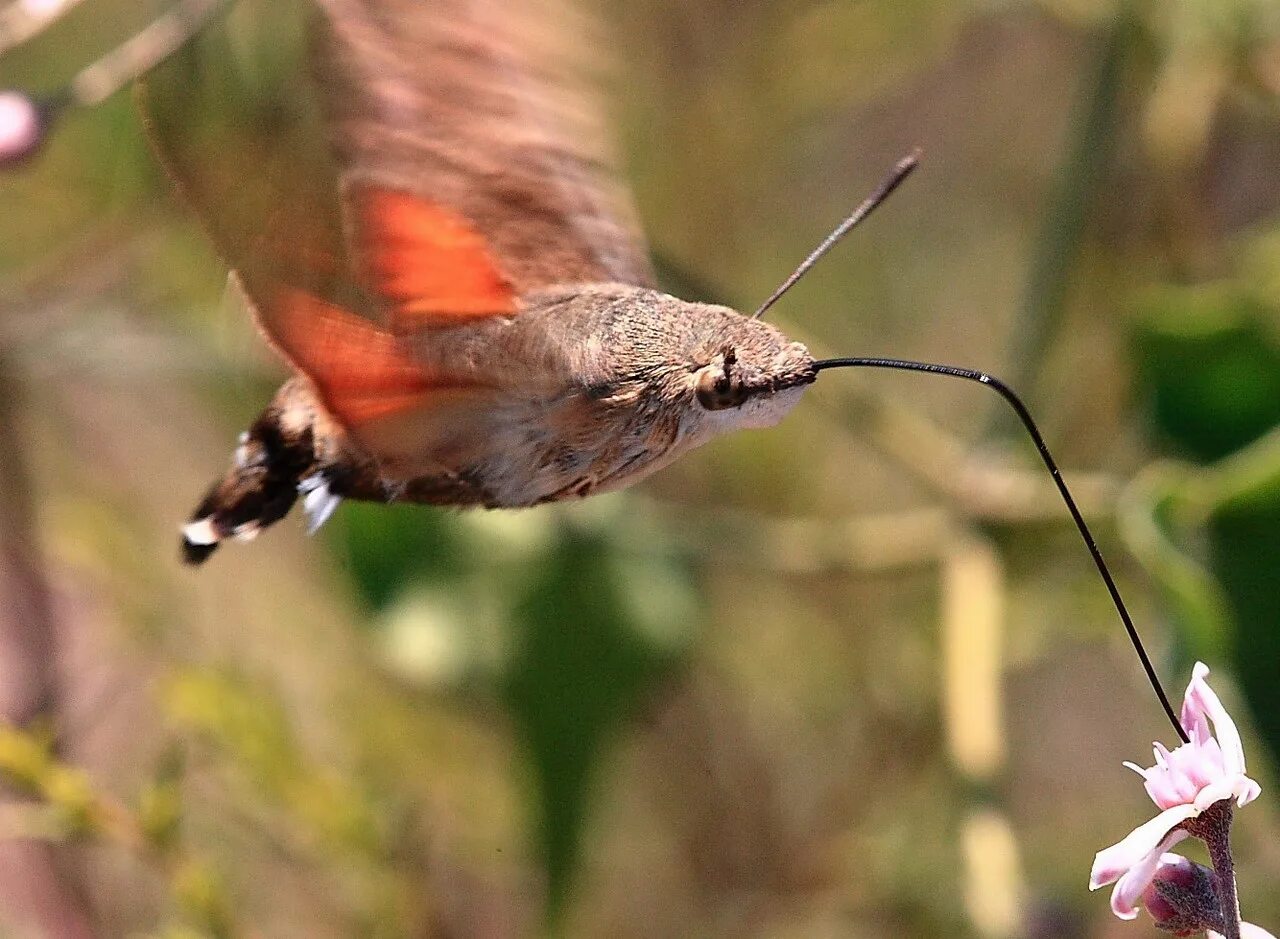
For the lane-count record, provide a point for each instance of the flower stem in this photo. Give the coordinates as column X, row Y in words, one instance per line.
column 1213, row 827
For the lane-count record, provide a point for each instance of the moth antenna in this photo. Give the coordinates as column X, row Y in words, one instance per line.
column 95, row 82
column 1042, row 448
column 901, row 170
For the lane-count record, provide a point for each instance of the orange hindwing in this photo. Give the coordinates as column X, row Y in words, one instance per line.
column 428, row 263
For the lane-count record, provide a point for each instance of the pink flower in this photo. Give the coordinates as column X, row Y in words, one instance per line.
column 1183, row 783
column 1247, row 931
column 21, row 127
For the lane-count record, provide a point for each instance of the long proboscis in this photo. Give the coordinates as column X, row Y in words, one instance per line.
column 901, row 170
column 1024, row 415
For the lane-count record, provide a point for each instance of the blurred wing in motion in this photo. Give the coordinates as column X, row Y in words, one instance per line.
column 471, row 153
column 408, row 165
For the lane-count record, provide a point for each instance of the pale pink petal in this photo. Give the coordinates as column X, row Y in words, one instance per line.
column 1247, row 931
column 1140, row 770
column 1196, row 725
column 1209, row 761
column 1246, row 791
column 1206, row 701
column 1136, row 879
column 1162, row 786
column 1192, row 706
column 1111, row 863
column 1216, row 791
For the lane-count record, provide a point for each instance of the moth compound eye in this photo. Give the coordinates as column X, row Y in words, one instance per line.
column 717, row 390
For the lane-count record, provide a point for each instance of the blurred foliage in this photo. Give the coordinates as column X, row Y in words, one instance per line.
column 711, row 707
column 580, row 666
column 590, row 625
column 1209, row 364
column 1243, row 543
column 1211, row 370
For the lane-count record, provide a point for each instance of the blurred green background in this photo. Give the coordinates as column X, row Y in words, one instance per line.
column 853, row 676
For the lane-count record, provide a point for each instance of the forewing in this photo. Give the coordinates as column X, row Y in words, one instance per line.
column 237, row 125
column 468, row 125
column 412, row 164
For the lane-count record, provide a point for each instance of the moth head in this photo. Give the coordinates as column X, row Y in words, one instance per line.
column 745, row 373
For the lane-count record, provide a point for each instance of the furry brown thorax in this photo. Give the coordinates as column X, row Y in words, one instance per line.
column 588, row 389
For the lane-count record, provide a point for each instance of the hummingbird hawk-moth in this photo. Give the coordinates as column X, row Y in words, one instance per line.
column 457, row 282
column 444, row 257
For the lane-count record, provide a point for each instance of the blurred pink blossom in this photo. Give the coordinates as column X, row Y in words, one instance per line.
column 1183, row 783
column 21, row 126
column 1247, row 931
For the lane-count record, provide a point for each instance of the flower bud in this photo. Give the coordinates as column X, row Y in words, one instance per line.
column 1182, row 898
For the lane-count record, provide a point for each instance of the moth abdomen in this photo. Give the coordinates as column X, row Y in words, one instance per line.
column 273, row 465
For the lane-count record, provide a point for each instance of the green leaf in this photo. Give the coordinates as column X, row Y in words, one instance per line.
column 585, row 656
column 386, row 547
column 1208, row 369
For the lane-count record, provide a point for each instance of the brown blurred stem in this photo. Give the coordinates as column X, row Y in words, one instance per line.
column 34, row 894
column 27, row 685
column 21, row 21
column 142, row 52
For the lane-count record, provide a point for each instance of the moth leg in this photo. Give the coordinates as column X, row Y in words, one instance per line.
column 318, row 500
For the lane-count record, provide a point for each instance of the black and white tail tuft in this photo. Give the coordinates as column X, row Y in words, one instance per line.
column 267, row 475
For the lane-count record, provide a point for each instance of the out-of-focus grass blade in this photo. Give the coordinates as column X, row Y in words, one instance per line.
column 1151, row 524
